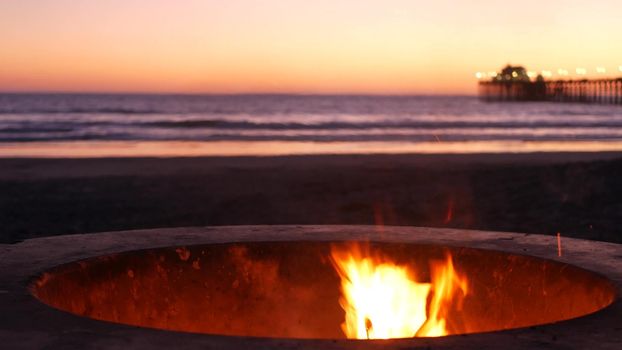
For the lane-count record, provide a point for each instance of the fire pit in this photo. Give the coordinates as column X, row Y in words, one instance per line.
column 312, row 287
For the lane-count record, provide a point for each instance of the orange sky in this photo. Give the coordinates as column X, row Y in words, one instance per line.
column 299, row 46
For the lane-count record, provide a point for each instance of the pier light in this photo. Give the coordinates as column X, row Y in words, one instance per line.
column 581, row 71
column 562, row 72
column 479, row 75
column 532, row 74
column 601, row 70
column 492, row 74
column 514, row 75
column 547, row 73
column 620, row 68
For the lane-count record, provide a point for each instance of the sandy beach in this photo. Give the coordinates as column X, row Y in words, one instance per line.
column 576, row 194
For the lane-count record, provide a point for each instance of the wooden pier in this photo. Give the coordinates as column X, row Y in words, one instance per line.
column 603, row 91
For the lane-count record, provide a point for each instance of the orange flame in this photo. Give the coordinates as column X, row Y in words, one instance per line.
column 383, row 300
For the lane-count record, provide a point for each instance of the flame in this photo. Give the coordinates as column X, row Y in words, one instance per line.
column 450, row 211
column 384, row 300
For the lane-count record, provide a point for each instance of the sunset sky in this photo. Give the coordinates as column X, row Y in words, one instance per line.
column 298, row 46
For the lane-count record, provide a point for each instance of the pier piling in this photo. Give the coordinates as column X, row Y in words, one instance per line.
column 602, row 91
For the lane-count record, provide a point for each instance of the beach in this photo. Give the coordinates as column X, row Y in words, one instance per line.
column 83, row 163
column 575, row 194
column 310, row 175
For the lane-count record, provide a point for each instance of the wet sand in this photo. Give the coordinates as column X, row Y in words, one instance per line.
column 576, row 194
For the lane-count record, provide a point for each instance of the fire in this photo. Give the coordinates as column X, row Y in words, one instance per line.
column 384, row 300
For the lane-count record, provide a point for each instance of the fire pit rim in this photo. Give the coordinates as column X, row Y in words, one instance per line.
column 46, row 253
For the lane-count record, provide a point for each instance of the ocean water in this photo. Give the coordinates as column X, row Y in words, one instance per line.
column 412, row 120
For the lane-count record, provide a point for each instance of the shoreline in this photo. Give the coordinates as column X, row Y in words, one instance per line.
column 140, row 149
column 44, row 168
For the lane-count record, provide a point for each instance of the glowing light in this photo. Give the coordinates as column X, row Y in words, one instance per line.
column 562, row 72
column 514, row 74
column 601, row 70
column 581, row 71
column 383, row 300
column 492, row 74
column 479, row 75
column 532, row 74
column 620, row 68
column 547, row 73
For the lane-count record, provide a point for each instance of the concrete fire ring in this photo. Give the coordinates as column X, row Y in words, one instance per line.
column 26, row 323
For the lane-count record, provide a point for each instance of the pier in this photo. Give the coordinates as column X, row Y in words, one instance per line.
column 513, row 84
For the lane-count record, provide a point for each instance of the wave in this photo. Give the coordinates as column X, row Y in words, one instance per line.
column 101, row 110
column 345, row 135
column 36, row 130
column 297, row 118
column 225, row 124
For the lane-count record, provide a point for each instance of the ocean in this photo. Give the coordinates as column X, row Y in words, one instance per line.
column 402, row 122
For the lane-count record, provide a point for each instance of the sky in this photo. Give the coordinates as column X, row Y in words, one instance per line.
column 297, row 46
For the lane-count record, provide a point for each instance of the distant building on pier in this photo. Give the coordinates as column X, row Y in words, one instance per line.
column 512, row 74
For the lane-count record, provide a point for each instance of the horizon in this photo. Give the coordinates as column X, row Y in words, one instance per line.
column 293, row 47
column 224, row 94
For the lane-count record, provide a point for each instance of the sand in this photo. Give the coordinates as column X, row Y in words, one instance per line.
column 576, row 194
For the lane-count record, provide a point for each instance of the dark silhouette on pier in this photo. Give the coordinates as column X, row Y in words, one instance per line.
column 514, row 84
